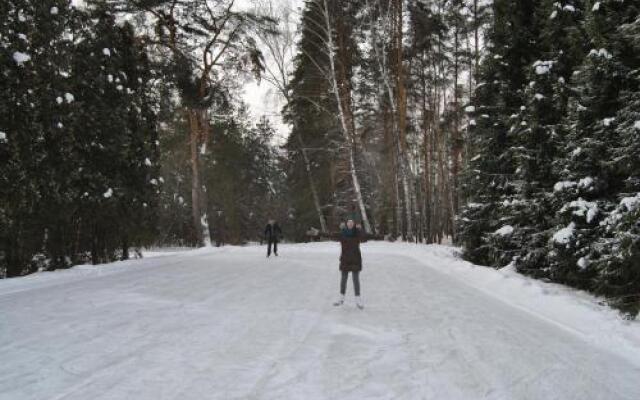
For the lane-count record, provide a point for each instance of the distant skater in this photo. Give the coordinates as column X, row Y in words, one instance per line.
column 350, row 238
column 272, row 234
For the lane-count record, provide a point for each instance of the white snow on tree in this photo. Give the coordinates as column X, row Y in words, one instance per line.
column 564, row 235
column 20, row 58
column 504, row 231
column 108, row 193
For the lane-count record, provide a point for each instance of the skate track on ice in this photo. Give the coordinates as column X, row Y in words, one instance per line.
column 230, row 324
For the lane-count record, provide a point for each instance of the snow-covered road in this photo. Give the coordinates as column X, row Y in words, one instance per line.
column 230, row 324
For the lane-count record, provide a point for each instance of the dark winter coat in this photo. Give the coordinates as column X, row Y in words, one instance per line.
column 272, row 233
column 350, row 256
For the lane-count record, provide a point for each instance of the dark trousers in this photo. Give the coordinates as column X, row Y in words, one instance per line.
column 273, row 242
column 356, row 282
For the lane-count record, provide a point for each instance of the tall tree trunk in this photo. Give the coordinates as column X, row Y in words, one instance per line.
column 312, row 185
column 196, row 187
column 345, row 124
column 401, row 110
column 199, row 128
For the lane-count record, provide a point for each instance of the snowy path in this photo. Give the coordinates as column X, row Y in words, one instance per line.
column 228, row 324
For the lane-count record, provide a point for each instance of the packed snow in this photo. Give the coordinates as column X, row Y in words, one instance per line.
column 227, row 323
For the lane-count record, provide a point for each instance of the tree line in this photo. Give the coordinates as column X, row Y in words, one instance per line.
column 106, row 124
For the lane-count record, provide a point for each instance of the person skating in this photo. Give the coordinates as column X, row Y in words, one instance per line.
column 272, row 234
column 350, row 238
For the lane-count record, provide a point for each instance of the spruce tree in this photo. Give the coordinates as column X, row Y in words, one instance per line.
column 489, row 175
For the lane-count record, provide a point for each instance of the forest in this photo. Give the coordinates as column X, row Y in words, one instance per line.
column 508, row 128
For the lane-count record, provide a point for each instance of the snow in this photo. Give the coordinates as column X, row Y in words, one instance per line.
column 20, row 58
column 470, row 109
column 586, row 183
column 631, row 203
column 581, row 208
column 504, row 231
column 154, row 181
column 539, row 96
column 59, row 100
column 636, row 125
column 560, row 186
column 106, row 52
column 3, row 137
column 226, row 323
column 564, row 235
column 543, row 67
column 596, row 6
column 69, row 97
column 108, row 193
column 600, row 53
column 582, row 263
column 608, row 121
column 569, row 8
column 54, row 10
column 147, row 162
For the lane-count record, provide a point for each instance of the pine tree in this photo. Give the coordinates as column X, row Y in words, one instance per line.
column 538, row 132
column 489, row 176
column 615, row 255
column 589, row 179
column 76, row 145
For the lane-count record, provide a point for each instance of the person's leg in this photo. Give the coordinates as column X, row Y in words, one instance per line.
column 356, row 282
column 268, row 247
column 343, row 288
column 275, row 247
column 343, row 282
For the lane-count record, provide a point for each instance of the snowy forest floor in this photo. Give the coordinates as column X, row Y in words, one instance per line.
column 227, row 323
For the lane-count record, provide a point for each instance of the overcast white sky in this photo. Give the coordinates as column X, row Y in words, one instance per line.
column 261, row 98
